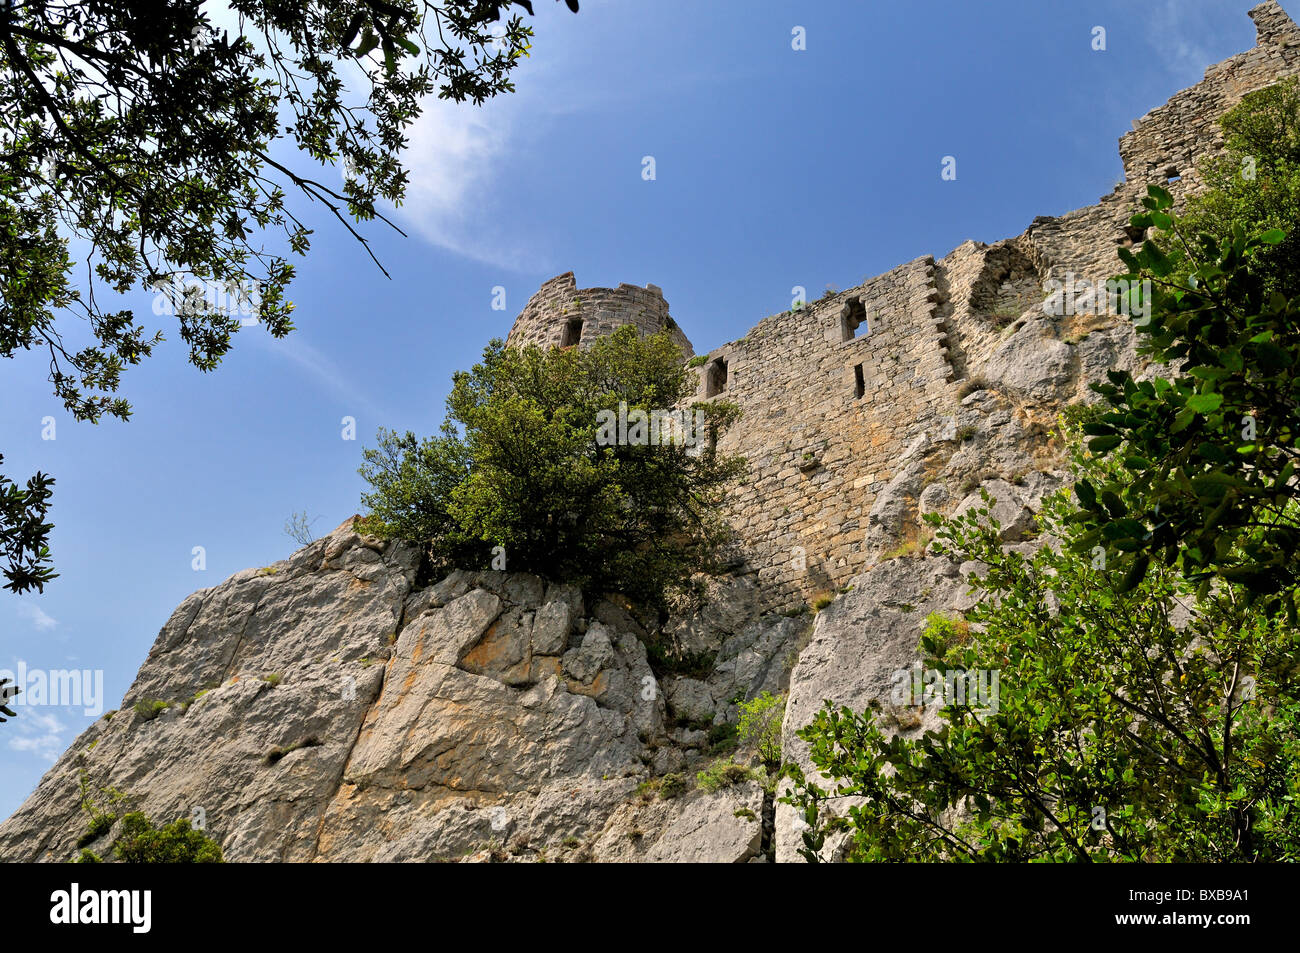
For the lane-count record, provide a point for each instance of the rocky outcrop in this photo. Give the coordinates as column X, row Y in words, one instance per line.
column 858, row 644
column 328, row 708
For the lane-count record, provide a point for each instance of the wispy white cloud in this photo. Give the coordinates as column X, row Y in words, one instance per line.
column 37, row 732
column 1179, row 29
column 457, row 152
column 37, row 616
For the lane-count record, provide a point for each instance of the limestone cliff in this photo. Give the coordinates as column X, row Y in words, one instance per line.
column 329, row 708
column 339, row 706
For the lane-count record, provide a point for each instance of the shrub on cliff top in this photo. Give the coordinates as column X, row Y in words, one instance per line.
column 518, row 465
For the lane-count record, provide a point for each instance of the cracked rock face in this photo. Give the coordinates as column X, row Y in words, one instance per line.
column 858, row 644
column 325, row 709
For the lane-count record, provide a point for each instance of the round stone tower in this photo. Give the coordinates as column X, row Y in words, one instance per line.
column 561, row 314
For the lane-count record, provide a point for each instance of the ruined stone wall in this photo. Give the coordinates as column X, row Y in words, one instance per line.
column 1170, row 139
column 819, row 438
column 844, row 429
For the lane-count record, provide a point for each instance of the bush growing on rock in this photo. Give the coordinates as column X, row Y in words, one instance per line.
column 150, row 708
column 1205, row 458
column 176, row 843
column 517, row 478
column 726, row 773
column 760, row 727
column 671, row 786
column 138, row 840
column 1256, row 184
column 1209, row 452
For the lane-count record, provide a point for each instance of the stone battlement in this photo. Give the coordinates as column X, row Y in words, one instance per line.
column 561, row 314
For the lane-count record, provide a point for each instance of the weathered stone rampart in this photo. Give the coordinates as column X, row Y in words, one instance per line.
column 931, row 378
column 560, row 314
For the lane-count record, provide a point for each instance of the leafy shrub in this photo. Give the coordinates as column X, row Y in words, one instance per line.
column 517, row 465
column 671, row 786
column 150, row 708
column 722, row 737
column 947, row 630
column 101, row 804
column 1180, row 736
column 725, row 774
column 1255, row 185
column 1205, row 457
column 760, row 727
column 175, row 843
column 100, row 824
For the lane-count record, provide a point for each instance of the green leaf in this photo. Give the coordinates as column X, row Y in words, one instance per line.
column 1136, row 572
column 1184, row 417
column 1161, row 195
column 1086, row 493
column 368, row 42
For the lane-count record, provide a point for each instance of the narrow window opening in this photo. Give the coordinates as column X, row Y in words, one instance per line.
column 572, row 332
column 715, row 382
column 859, row 382
column 853, row 320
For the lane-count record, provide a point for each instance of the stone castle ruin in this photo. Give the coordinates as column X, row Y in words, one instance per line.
column 863, row 406
column 495, row 715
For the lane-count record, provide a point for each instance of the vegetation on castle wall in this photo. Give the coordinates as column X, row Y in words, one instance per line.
column 1256, row 183
column 518, row 480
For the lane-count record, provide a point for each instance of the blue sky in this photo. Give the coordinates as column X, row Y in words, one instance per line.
column 774, row 168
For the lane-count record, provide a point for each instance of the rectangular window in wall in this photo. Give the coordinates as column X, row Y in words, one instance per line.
column 715, row 379
column 859, row 382
column 853, row 320
column 572, row 333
